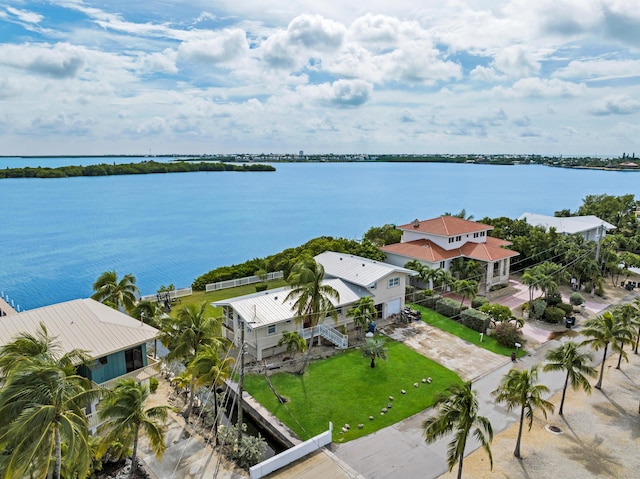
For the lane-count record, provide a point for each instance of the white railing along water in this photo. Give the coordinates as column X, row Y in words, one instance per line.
column 232, row 283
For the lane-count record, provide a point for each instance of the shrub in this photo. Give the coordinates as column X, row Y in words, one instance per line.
column 419, row 297
column 448, row 307
column 153, row 385
column 476, row 320
column 576, row 299
column 508, row 334
column 525, row 306
column 261, row 287
column 553, row 314
column 428, row 292
column 246, row 454
column 478, row 301
column 567, row 308
column 496, row 287
column 430, row 301
column 554, row 298
column 539, row 306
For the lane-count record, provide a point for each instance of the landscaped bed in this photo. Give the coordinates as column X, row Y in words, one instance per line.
column 453, row 327
column 344, row 389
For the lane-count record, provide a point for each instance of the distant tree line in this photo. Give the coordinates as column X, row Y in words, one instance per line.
column 141, row 168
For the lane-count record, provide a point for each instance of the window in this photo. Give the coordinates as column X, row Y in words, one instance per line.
column 442, row 264
column 133, row 358
column 394, row 282
column 458, row 238
column 271, row 329
column 451, row 240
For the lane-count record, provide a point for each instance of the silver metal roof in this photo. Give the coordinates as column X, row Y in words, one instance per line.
column 82, row 324
column 270, row 307
column 357, row 270
column 568, row 225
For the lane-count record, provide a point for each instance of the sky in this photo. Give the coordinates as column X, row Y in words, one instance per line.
column 550, row 77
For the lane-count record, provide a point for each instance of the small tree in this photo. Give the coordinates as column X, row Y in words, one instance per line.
column 374, row 349
column 508, row 334
column 293, row 341
column 576, row 299
column 363, row 313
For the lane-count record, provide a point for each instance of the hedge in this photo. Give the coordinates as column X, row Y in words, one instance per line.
column 448, row 307
column 476, row 320
column 430, row 301
column 479, row 301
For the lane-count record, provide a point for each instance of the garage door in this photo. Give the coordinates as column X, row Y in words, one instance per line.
column 393, row 307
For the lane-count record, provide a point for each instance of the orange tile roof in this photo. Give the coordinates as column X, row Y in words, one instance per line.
column 426, row 250
column 446, row 226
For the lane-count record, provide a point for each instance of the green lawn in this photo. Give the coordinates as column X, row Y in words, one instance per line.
column 450, row 326
column 344, row 389
column 198, row 297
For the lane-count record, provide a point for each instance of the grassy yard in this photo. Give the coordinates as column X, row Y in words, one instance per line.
column 198, row 297
column 450, row 326
column 344, row 389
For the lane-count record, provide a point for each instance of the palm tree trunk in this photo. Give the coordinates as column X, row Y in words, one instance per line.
column 134, row 454
column 460, row 465
column 620, row 356
column 637, row 340
column 564, row 392
column 58, row 452
column 517, row 450
column 307, row 356
column 192, row 395
column 373, row 361
column 604, row 358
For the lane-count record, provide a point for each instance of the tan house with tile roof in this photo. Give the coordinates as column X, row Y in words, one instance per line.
column 438, row 241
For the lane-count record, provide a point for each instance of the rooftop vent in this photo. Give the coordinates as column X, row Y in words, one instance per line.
column 416, row 223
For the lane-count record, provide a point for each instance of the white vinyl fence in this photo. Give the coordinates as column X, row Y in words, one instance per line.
column 242, row 281
column 290, row 455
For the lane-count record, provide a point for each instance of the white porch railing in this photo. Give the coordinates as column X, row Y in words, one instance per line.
column 329, row 333
column 232, row 283
column 173, row 294
column 151, row 369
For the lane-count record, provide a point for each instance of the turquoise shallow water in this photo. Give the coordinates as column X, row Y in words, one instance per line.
column 58, row 235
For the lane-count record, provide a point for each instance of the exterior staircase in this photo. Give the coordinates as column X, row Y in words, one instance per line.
column 328, row 333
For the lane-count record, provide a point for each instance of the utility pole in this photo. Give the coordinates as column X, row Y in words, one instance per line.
column 240, row 384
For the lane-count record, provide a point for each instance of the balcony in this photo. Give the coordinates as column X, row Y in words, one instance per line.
column 151, row 369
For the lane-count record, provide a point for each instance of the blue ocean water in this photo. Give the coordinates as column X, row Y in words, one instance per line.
column 58, row 235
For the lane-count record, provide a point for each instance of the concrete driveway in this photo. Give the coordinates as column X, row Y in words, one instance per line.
column 467, row 360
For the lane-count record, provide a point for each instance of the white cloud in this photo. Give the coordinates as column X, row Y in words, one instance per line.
column 215, row 47
column 25, row 15
column 61, row 60
column 517, row 61
column 538, row 88
column 341, row 93
column 599, row 69
column 615, row 105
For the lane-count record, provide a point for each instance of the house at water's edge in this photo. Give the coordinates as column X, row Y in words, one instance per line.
column 266, row 315
column 437, row 242
column 115, row 342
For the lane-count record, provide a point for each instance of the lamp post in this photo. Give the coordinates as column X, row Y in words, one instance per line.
column 517, row 345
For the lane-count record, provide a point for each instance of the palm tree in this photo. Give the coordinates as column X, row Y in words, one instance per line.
column 42, row 405
column 374, row 349
column 187, row 334
column 530, row 278
column 151, row 313
column 416, row 266
column 122, row 295
column 466, row 288
column 363, row 313
column 569, row 358
column 605, row 330
column 627, row 315
column 637, row 305
column 458, row 414
column 209, row 369
column 293, row 341
column 519, row 389
column 312, row 297
column 125, row 415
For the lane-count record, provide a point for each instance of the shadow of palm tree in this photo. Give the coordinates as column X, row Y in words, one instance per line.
column 592, row 454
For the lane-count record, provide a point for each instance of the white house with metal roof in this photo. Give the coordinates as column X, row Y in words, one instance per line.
column 268, row 314
column 115, row 343
column 590, row 227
